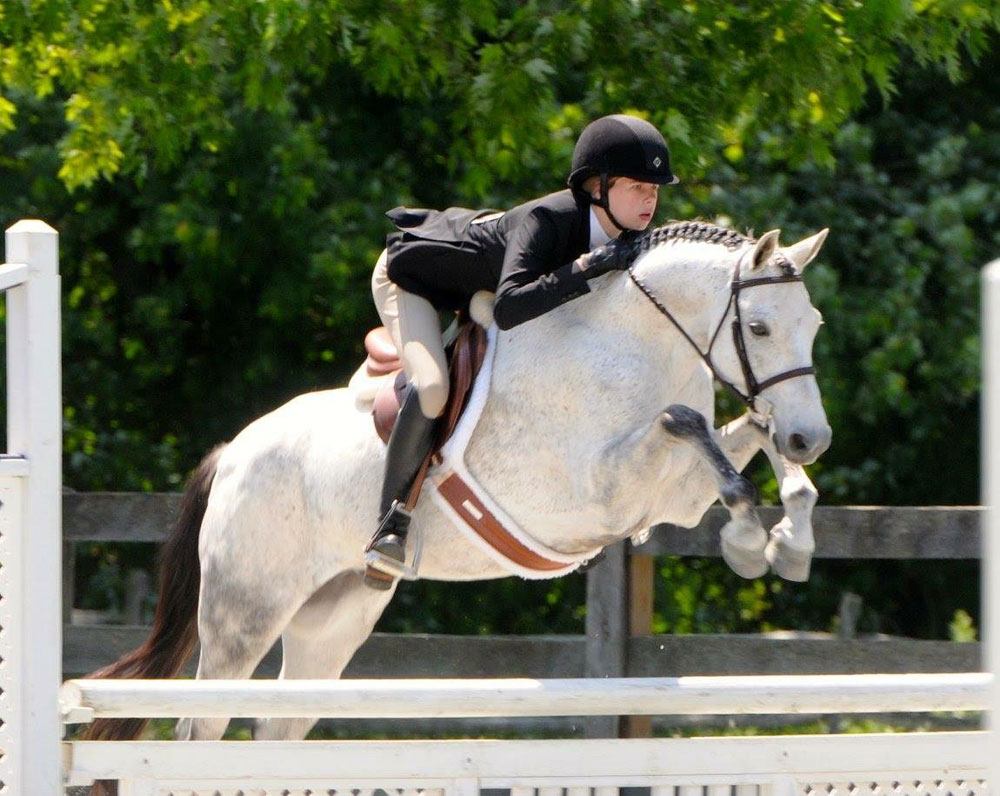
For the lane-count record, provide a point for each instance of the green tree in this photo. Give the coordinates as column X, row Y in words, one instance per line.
column 218, row 173
column 144, row 84
column 218, row 170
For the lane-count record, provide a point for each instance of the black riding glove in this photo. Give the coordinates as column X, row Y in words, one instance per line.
column 614, row 256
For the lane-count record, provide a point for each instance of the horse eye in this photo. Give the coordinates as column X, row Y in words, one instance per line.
column 759, row 329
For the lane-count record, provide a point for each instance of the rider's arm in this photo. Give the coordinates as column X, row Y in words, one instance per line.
column 532, row 281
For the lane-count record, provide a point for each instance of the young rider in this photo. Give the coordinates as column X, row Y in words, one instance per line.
column 535, row 257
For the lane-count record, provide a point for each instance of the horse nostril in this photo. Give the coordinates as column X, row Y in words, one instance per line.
column 797, row 442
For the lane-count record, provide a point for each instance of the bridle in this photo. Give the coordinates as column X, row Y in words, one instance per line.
column 754, row 387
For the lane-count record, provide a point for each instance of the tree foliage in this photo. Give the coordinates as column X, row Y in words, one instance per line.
column 143, row 84
column 218, row 173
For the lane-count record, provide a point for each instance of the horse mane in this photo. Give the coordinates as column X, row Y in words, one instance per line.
column 694, row 231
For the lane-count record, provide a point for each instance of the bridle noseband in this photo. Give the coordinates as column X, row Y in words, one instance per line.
column 754, row 387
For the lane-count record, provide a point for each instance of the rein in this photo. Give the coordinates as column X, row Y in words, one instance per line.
column 754, row 387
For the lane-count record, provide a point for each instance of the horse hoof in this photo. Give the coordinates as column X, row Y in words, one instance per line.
column 745, row 563
column 789, row 563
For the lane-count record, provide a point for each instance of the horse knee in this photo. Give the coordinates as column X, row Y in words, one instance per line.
column 433, row 395
column 738, row 492
column 799, row 493
column 684, row 422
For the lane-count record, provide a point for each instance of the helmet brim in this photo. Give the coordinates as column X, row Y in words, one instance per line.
column 657, row 179
column 576, row 180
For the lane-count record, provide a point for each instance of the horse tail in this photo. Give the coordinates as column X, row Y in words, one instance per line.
column 175, row 627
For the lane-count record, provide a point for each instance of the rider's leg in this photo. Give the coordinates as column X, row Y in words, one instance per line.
column 415, row 328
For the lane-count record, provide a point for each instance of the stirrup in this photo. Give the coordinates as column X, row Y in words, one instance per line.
column 386, row 565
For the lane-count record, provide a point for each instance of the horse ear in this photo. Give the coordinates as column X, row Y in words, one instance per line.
column 764, row 248
column 805, row 251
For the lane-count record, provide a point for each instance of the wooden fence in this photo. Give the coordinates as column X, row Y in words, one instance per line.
column 618, row 640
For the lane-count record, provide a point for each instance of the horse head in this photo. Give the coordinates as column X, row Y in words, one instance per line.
column 744, row 309
column 768, row 355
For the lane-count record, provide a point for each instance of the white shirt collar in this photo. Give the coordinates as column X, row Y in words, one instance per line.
column 598, row 237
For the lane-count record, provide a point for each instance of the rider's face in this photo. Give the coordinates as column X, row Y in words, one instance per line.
column 633, row 203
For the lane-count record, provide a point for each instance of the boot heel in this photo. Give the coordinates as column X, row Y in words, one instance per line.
column 378, row 580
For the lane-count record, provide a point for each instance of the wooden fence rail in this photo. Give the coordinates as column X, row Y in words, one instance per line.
column 893, row 532
column 617, row 640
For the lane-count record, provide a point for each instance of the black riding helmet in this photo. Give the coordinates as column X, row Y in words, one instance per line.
column 620, row 146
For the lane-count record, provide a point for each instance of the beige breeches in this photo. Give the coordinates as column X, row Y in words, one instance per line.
column 416, row 330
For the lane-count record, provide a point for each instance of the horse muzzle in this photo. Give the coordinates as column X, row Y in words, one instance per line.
column 803, row 446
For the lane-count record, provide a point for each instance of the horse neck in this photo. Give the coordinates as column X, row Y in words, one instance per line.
column 621, row 327
column 691, row 280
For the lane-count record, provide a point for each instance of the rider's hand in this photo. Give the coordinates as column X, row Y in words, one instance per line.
column 613, row 257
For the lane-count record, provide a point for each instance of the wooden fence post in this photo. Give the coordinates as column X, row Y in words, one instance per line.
column 606, row 628
column 640, row 623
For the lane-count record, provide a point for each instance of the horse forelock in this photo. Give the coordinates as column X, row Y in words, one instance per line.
column 786, row 265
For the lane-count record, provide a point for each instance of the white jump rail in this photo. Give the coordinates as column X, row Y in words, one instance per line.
column 915, row 764
column 85, row 700
column 31, row 515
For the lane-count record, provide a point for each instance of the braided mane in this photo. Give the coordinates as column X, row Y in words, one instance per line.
column 696, row 231
column 699, row 231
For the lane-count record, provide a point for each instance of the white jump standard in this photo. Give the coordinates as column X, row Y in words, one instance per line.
column 30, row 515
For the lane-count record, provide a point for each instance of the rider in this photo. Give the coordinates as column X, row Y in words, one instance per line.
column 535, row 257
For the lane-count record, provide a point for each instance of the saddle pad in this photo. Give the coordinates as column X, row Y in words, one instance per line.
column 457, row 493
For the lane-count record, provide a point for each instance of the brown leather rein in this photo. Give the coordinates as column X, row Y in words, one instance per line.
column 754, row 387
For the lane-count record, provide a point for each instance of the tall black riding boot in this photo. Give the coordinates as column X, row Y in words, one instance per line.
column 411, row 440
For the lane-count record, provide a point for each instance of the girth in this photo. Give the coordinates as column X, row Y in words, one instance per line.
column 466, row 356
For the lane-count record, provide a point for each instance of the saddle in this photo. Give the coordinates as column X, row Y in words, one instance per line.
column 378, row 387
column 465, row 356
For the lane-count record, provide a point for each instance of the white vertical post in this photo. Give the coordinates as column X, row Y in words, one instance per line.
column 11, row 650
column 34, row 457
column 990, row 577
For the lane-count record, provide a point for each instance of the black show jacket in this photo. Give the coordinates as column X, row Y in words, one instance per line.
column 524, row 255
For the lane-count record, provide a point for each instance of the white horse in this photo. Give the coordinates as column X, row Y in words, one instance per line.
column 576, row 443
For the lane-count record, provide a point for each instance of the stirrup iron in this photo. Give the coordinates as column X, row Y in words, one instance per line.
column 387, row 565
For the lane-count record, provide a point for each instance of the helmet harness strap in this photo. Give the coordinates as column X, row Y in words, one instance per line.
column 605, row 203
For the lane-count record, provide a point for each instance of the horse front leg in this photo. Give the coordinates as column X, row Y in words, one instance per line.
column 743, row 538
column 792, row 544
